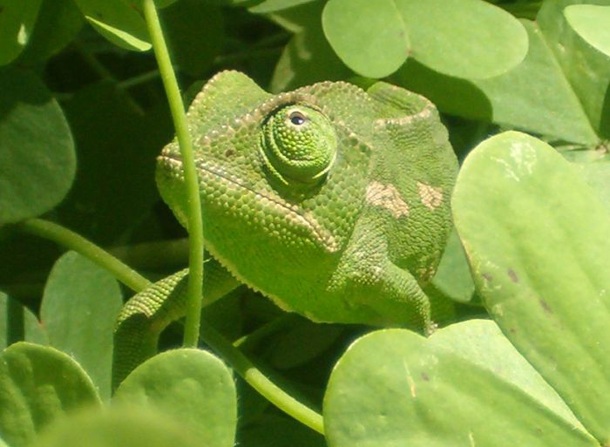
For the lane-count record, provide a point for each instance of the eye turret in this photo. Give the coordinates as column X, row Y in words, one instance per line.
column 298, row 144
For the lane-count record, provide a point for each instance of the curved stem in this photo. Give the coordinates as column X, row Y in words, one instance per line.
column 258, row 380
column 254, row 376
column 247, row 341
column 139, row 79
column 70, row 239
column 195, row 222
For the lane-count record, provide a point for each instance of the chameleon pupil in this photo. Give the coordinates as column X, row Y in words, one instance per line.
column 297, row 118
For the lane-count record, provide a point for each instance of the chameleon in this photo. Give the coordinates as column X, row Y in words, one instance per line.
column 331, row 200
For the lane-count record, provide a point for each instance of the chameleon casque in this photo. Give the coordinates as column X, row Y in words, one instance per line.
column 332, row 201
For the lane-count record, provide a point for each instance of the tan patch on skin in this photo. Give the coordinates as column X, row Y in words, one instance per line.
column 430, row 196
column 388, row 197
column 426, row 274
column 406, row 120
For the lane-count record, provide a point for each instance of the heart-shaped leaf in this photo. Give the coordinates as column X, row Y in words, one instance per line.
column 38, row 384
column 188, row 385
column 308, row 57
column 537, row 239
column 591, row 23
column 465, row 385
column 375, row 38
column 559, row 90
column 37, row 160
column 79, row 308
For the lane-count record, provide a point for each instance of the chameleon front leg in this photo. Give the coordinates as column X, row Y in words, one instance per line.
column 375, row 289
column 149, row 312
column 383, row 294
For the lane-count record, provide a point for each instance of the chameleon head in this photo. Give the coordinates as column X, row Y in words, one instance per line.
column 298, row 144
column 268, row 168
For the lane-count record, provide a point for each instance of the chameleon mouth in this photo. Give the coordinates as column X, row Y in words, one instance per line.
column 172, row 166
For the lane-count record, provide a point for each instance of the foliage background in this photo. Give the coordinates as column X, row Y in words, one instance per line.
column 83, row 115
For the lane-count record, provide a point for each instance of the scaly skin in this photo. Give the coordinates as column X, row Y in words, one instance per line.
column 148, row 313
column 331, row 201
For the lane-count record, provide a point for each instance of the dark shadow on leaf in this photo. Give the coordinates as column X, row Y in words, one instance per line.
column 451, row 95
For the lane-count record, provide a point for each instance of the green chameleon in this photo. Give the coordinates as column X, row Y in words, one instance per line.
column 332, row 201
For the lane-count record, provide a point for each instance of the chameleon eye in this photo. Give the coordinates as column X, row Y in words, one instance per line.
column 297, row 118
column 298, row 144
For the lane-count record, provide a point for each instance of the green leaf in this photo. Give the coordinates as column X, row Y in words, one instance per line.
column 536, row 237
column 18, row 323
column 38, row 384
column 118, row 22
column 308, row 57
column 17, row 19
column 36, row 149
column 475, row 40
column 535, row 95
column 595, row 168
column 188, row 385
column 118, row 428
column 591, row 23
column 58, row 23
column 464, row 38
column 195, row 34
column 453, row 275
column 79, row 309
column 370, row 37
column 465, row 385
column 585, row 67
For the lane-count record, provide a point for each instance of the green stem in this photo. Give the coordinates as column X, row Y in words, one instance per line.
column 92, row 61
column 140, row 79
column 101, row 71
column 257, row 379
column 195, row 223
column 250, row 340
column 67, row 238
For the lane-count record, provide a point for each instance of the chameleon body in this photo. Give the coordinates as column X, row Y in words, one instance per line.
column 330, row 200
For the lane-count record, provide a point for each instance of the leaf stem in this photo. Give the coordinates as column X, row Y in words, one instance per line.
column 70, row 239
column 258, row 380
column 139, row 79
column 195, row 222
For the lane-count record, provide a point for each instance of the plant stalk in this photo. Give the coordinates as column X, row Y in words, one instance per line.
column 195, row 221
